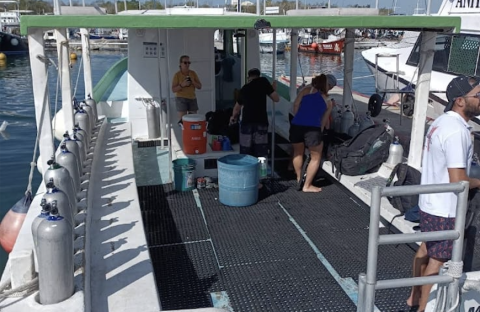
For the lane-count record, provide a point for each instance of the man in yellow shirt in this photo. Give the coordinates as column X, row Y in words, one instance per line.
column 184, row 84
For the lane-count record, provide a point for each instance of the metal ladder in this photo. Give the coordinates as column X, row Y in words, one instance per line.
column 368, row 283
column 395, row 77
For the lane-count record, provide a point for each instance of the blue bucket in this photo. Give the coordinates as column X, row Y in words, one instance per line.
column 238, row 178
column 184, row 174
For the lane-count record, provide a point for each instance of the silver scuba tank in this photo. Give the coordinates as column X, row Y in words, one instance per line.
column 158, row 112
column 89, row 112
column 337, row 122
column 474, row 167
column 91, row 102
column 64, row 206
column 81, row 147
column 348, row 118
column 83, row 120
column 54, row 249
column 72, row 146
column 389, row 128
column 67, row 160
column 152, row 122
column 63, row 180
column 354, row 129
column 395, row 153
column 83, row 135
column 366, row 122
column 44, row 213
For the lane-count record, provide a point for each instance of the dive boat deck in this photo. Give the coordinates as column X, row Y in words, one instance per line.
column 289, row 252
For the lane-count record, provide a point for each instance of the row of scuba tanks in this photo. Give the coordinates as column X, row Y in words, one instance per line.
column 344, row 121
column 53, row 229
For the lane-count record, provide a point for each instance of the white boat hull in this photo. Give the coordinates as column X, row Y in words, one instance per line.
column 268, row 47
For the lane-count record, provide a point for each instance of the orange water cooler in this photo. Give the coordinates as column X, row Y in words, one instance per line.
column 194, row 134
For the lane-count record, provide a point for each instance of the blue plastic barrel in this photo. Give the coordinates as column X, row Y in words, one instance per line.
column 238, row 180
column 184, row 174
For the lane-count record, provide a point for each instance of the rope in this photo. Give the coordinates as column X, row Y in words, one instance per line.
column 22, row 291
column 33, row 164
column 455, row 269
column 78, row 76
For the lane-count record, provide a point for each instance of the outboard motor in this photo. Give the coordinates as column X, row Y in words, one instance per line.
column 366, row 122
column 389, row 128
column 354, row 129
column 44, row 214
column 54, row 249
column 65, row 207
column 62, row 178
column 91, row 102
column 72, row 146
column 395, row 153
column 68, row 160
column 83, row 120
column 89, row 112
column 348, row 118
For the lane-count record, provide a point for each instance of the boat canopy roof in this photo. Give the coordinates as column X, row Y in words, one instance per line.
column 220, row 19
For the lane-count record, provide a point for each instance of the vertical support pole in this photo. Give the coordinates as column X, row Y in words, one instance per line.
column 457, row 251
column 264, row 7
column 348, row 68
column 63, row 66
column 293, row 64
column 369, row 299
column 258, row 7
column 169, row 126
column 243, row 59
column 274, row 74
column 422, row 91
column 56, row 7
column 40, row 96
column 362, row 280
column 87, row 69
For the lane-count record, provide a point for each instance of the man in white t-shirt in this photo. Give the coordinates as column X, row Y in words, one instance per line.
column 447, row 155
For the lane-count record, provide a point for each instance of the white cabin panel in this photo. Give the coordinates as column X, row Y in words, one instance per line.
column 143, row 76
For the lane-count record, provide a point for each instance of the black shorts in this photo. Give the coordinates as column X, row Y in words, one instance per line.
column 310, row 136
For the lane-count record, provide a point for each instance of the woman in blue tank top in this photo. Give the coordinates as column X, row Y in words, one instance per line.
column 311, row 110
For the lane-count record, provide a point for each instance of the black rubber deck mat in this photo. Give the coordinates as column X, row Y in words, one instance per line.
column 264, row 263
column 152, row 143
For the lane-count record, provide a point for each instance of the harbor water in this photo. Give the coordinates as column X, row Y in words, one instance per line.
column 17, row 108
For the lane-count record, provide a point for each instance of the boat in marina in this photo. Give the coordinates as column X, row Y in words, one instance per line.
column 266, row 42
column 11, row 43
column 143, row 244
column 396, row 66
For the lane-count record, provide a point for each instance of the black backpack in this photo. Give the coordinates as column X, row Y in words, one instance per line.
column 363, row 153
column 406, row 176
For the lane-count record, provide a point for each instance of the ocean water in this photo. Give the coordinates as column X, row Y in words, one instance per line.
column 17, row 108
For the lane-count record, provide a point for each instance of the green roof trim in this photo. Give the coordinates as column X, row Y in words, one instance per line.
column 101, row 88
column 436, row 23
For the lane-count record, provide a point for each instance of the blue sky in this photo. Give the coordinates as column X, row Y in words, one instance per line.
column 403, row 6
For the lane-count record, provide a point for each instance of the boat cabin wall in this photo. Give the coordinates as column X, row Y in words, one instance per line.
column 153, row 60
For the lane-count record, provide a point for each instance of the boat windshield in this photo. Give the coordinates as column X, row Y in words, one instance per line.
column 457, row 54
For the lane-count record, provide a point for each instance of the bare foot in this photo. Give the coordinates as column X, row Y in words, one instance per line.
column 312, row 189
column 414, row 299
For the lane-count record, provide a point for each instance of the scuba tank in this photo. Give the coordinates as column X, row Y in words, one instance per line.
column 54, row 249
column 44, row 213
column 64, row 206
column 83, row 120
column 152, row 122
column 72, row 146
column 354, row 129
column 395, row 153
column 67, row 160
column 81, row 134
column 81, row 148
column 62, row 178
column 474, row 168
column 337, row 122
column 348, row 119
column 389, row 128
column 91, row 102
column 89, row 112
column 366, row 122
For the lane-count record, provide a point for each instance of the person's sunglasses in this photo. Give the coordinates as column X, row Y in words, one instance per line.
column 187, row 63
column 475, row 95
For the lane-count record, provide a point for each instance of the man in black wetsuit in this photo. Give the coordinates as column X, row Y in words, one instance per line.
column 252, row 102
